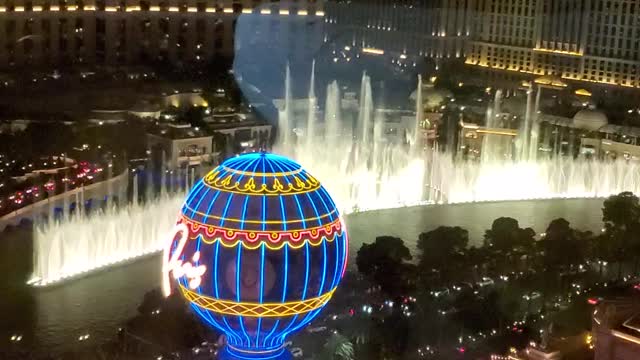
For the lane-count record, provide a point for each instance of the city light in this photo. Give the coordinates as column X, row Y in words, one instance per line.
column 563, row 52
column 373, row 51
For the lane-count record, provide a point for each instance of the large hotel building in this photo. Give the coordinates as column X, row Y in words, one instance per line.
column 583, row 40
column 112, row 32
column 586, row 40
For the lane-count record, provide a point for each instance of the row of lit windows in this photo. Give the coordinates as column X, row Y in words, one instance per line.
column 29, row 27
column 594, row 69
column 162, row 7
column 117, row 57
column 385, row 17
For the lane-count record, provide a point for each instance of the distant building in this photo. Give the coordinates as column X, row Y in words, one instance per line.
column 578, row 346
column 184, row 99
column 589, row 133
column 181, row 144
column 472, row 136
column 616, row 329
column 113, row 33
column 240, row 130
column 592, row 40
column 401, row 29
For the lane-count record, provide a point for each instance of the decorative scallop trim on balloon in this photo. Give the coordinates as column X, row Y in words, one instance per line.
column 293, row 183
column 273, row 239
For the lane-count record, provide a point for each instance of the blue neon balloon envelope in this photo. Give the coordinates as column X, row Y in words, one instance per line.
column 258, row 251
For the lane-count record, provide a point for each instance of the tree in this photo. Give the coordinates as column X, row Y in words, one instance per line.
column 501, row 237
column 151, row 301
column 507, row 241
column 475, row 258
column 621, row 217
column 443, row 249
column 337, row 347
column 562, row 249
column 491, row 311
column 384, row 263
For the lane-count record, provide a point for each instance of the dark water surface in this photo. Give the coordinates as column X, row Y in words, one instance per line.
column 52, row 319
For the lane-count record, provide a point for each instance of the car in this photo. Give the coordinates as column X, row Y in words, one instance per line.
column 531, row 296
column 463, row 286
column 448, row 311
column 485, row 281
column 595, row 300
column 316, row 329
column 440, row 292
column 296, row 352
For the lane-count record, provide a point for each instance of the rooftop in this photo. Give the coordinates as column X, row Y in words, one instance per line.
column 178, row 131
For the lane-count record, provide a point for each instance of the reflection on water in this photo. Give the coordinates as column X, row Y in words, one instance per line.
column 53, row 318
column 408, row 223
column 96, row 305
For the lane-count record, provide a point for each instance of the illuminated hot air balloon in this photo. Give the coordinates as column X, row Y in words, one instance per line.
column 258, row 251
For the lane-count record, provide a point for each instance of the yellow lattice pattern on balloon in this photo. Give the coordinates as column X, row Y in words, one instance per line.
column 226, row 307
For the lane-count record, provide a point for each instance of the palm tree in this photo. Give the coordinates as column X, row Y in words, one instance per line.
column 337, row 347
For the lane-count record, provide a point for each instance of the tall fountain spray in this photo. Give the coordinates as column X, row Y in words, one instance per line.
column 148, row 186
column 65, row 201
column 100, row 238
column 415, row 143
column 331, row 116
column 493, row 146
column 163, row 174
column 534, row 139
column 497, row 102
column 82, row 243
column 134, row 194
column 109, row 200
column 311, row 116
column 524, row 133
column 365, row 109
column 364, row 171
column 284, row 114
column 370, row 171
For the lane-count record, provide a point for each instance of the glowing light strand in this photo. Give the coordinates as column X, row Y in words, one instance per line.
column 261, row 291
column 274, row 188
column 188, row 208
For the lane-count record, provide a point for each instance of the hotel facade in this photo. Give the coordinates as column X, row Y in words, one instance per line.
column 114, row 33
column 588, row 40
column 594, row 41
